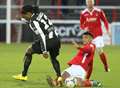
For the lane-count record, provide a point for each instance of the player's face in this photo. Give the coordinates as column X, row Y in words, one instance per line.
column 26, row 16
column 85, row 39
column 90, row 3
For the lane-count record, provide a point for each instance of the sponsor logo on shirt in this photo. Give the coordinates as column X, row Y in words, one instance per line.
column 91, row 19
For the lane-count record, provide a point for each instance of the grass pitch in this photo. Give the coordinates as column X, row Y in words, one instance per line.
column 11, row 63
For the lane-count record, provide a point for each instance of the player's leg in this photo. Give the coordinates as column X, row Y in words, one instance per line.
column 27, row 62
column 53, row 46
column 88, row 83
column 103, row 58
column 55, row 63
column 65, row 75
column 56, row 66
column 80, row 82
column 34, row 48
column 98, row 41
column 79, row 75
column 54, row 82
column 75, row 71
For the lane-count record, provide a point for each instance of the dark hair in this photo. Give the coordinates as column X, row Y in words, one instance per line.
column 87, row 33
column 29, row 8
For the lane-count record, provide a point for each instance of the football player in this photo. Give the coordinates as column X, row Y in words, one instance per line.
column 48, row 40
column 90, row 20
column 81, row 65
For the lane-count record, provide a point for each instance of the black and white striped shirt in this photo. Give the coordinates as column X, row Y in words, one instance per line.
column 42, row 27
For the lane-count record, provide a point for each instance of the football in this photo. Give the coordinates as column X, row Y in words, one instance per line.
column 71, row 82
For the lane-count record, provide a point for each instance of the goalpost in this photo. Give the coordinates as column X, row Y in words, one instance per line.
column 8, row 25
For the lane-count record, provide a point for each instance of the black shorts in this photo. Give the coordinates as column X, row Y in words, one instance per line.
column 52, row 45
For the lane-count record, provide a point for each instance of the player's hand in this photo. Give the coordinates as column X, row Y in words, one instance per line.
column 18, row 17
column 76, row 45
column 110, row 35
column 73, row 42
column 45, row 55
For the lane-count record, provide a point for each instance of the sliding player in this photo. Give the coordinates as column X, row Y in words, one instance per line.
column 81, row 65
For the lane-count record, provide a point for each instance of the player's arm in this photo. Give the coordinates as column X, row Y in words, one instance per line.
column 82, row 22
column 78, row 46
column 42, row 37
column 104, row 19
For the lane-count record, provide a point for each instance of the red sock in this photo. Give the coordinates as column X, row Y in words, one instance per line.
column 104, row 60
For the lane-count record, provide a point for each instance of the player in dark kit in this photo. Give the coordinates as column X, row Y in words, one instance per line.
column 48, row 40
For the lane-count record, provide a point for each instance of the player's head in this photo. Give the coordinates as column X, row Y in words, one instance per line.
column 87, row 37
column 90, row 3
column 28, row 10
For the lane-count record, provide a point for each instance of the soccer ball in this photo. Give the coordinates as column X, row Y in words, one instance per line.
column 71, row 82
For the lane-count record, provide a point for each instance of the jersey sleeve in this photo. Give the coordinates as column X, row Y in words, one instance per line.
column 38, row 31
column 87, row 49
column 104, row 19
column 82, row 21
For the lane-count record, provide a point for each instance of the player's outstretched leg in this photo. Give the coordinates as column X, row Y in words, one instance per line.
column 27, row 62
column 96, row 83
column 54, row 82
column 88, row 83
column 51, row 82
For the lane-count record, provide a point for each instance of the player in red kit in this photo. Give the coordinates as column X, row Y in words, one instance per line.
column 84, row 57
column 81, row 65
column 90, row 20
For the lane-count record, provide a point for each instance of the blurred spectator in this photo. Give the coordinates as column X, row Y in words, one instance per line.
column 55, row 13
column 52, row 11
column 64, row 3
column 97, row 2
column 60, row 11
column 2, row 2
column 2, row 16
column 80, row 2
column 2, row 10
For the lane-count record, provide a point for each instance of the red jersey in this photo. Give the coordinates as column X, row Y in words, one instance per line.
column 92, row 21
column 84, row 57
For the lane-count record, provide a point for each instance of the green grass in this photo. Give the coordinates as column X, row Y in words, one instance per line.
column 11, row 63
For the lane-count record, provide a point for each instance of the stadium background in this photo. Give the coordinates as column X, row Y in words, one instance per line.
column 15, row 37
